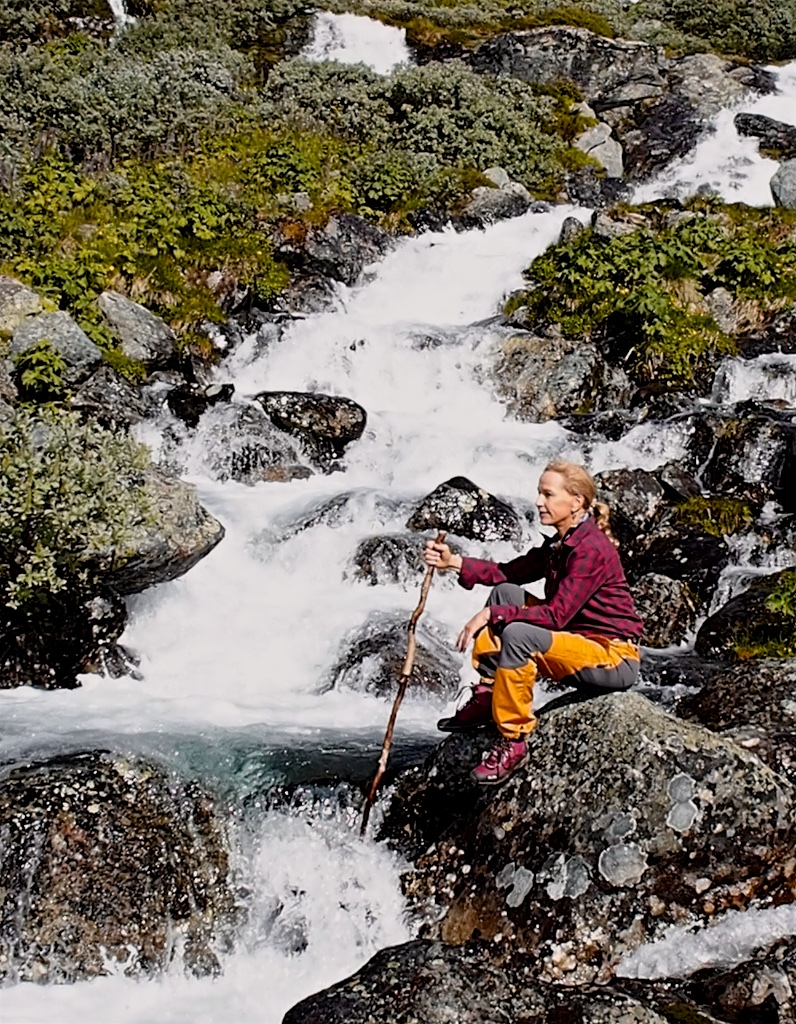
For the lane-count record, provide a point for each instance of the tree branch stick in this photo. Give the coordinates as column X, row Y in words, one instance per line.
column 406, row 672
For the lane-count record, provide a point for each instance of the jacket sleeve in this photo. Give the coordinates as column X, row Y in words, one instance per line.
column 526, row 569
column 584, row 576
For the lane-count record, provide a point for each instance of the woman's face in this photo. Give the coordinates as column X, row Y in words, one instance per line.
column 557, row 507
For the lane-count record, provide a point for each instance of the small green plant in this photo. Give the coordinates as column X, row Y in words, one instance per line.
column 40, row 373
column 782, row 598
column 71, row 495
column 717, row 517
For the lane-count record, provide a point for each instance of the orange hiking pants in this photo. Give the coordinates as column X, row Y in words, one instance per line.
column 512, row 662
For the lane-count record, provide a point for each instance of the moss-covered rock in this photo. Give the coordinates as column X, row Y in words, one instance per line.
column 759, row 623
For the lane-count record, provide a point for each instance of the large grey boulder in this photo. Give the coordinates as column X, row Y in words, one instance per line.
column 145, row 337
column 17, row 302
column 180, row 533
column 611, row 72
column 110, row 398
column 546, row 376
column 783, row 185
column 625, row 822
column 108, row 863
column 489, row 204
column 343, row 247
column 667, row 607
column 68, row 339
column 431, row 983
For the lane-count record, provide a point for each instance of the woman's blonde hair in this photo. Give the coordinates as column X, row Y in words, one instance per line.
column 578, row 482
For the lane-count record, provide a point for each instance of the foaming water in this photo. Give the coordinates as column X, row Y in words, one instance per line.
column 725, row 162
column 352, row 39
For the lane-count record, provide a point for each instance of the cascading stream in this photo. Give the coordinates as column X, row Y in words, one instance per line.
column 236, row 654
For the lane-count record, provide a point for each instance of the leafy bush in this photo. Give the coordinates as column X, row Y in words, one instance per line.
column 782, row 598
column 458, row 118
column 764, row 30
column 642, row 293
column 40, row 372
column 70, row 494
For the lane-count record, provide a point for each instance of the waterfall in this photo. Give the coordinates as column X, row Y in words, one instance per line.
column 236, row 654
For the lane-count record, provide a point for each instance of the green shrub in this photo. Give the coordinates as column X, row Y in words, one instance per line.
column 71, row 492
column 446, row 112
column 643, row 292
column 40, row 373
column 764, row 30
column 782, row 598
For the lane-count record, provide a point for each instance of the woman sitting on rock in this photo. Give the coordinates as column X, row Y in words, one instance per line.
column 584, row 633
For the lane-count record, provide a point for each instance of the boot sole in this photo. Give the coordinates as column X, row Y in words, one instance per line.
column 505, row 778
column 463, row 728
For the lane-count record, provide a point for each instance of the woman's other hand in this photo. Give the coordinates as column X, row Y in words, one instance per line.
column 476, row 623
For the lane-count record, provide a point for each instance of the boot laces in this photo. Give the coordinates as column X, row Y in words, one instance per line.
column 494, row 756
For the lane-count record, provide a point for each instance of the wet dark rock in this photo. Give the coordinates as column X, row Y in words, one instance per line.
column 660, row 132
column 636, row 499
column 372, row 659
column 395, row 558
column 340, row 250
column 667, row 607
column 111, row 399
column 239, row 442
column 610, row 424
column 75, row 633
column 489, row 204
column 665, row 671
column 678, row 483
column 626, row 821
column 180, row 533
column 466, row 510
column 543, row 377
column 188, row 402
column 588, row 186
column 437, row 984
column 326, row 424
column 754, row 704
column 696, row 559
column 779, row 335
column 108, row 862
column 146, row 338
column 746, row 626
column 754, row 458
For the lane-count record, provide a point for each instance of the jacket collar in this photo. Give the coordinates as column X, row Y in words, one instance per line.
column 576, row 534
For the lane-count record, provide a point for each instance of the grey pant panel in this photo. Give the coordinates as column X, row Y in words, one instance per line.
column 619, row 677
column 506, row 593
column 519, row 640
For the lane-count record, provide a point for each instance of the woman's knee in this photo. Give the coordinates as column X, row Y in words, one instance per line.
column 521, row 641
column 507, row 593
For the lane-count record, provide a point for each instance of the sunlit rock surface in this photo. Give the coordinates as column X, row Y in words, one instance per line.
column 625, row 821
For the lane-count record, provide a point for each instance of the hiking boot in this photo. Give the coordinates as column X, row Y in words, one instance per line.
column 477, row 711
column 500, row 763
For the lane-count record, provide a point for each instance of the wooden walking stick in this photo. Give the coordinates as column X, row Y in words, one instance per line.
column 406, row 672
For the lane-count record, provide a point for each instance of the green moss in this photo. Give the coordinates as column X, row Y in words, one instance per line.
column 131, row 369
column 717, row 517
